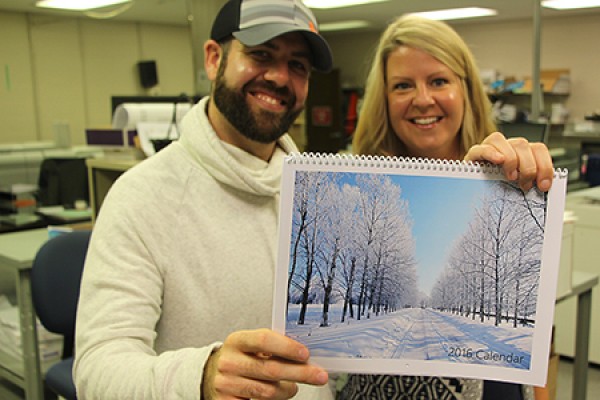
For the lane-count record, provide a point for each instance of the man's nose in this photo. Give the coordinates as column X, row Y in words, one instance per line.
column 278, row 73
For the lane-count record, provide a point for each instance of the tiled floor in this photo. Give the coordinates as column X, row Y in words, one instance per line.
column 565, row 379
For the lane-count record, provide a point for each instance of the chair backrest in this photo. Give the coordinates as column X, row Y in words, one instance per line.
column 55, row 281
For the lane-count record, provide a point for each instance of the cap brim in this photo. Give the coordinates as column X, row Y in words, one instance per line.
column 322, row 59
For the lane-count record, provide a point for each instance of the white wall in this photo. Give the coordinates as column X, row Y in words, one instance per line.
column 66, row 70
column 567, row 42
column 56, row 69
column 18, row 120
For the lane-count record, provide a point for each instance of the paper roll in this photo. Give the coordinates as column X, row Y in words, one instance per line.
column 127, row 115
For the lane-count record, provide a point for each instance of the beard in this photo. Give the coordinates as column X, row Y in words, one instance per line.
column 261, row 126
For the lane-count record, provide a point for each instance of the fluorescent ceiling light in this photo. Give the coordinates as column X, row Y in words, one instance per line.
column 78, row 4
column 570, row 4
column 343, row 25
column 337, row 3
column 457, row 13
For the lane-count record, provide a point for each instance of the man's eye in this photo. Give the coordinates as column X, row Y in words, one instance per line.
column 260, row 54
column 299, row 66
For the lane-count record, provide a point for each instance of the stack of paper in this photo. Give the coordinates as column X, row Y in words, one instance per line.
column 50, row 344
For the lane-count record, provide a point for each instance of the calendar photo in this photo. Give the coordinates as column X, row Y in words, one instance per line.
column 412, row 270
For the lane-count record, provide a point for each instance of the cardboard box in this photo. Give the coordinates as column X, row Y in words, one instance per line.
column 548, row 392
column 552, row 376
column 557, row 81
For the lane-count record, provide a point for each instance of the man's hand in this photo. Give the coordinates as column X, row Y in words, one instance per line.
column 520, row 160
column 259, row 364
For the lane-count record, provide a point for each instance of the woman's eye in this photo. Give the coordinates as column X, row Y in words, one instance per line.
column 439, row 82
column 402, row 86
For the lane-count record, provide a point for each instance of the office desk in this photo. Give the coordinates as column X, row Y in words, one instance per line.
column 583, row 283
column 17, row 251
column 8, row 228
column 44, row 221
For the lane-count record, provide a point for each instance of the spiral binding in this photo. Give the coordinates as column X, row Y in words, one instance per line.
column 395, row 162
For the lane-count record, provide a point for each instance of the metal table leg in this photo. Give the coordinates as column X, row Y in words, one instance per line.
column 582, row 341
column 34, row 389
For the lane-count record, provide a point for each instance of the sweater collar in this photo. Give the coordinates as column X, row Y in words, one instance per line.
column 228, row 164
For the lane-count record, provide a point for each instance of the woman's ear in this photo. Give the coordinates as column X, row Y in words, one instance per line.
column 212, row 58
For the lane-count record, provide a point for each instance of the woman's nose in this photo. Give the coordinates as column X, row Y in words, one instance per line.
column 423, row 96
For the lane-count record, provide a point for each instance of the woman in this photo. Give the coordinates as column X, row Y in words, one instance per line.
column 424, row 98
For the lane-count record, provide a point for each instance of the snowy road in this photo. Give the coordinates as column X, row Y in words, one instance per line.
column 415, row 334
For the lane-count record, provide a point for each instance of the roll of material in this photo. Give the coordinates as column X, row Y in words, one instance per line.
column 127, row 115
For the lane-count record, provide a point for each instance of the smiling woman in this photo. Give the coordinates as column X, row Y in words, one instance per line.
column 446, row 86
column 425, row 103
column 424, row 98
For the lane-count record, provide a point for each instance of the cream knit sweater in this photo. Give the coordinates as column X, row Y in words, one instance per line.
column 181, row 255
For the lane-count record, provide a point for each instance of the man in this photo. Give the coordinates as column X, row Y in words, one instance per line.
column 177, row 289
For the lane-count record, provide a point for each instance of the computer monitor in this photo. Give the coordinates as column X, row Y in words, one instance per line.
column 532, row 131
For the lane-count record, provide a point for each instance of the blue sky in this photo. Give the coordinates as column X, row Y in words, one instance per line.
column 441, row 209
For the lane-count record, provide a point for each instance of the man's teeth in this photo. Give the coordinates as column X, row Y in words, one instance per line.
column 425, row 121
column 268, row 99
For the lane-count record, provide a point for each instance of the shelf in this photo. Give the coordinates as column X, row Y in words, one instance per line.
column 496, row 96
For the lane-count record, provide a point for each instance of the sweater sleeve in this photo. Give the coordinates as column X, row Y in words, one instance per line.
column 119, row 308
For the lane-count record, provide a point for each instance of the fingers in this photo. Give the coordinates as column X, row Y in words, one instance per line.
column 545, row 166
column 260, row 364
column 233, row 362
column 521, row 161
column 265, row 341
column 525, row 167
column 494, row 149
column 239, row 387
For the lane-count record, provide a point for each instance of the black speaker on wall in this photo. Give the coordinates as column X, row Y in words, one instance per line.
column 148, row 74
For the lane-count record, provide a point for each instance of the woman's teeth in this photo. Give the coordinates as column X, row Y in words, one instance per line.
column 425, row 121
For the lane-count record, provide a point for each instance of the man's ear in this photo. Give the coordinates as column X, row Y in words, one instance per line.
column 212, row 58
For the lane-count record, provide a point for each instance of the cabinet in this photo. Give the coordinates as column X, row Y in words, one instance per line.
column 586, row 259
column 17, row 251
column 323, row 113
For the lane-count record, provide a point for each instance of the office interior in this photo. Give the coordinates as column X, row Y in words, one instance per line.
column 61, row 72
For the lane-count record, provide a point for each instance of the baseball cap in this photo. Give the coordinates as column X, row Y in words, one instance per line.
column 254, row 22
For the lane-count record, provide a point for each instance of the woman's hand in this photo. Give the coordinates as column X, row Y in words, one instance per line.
column 521, row 161
column 259, row 364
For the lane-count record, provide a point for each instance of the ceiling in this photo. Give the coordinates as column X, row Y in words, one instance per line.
column 378, row 14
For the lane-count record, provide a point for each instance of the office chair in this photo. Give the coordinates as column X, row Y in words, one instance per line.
column 55, row 280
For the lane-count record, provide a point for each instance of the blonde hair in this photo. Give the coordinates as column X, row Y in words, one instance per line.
column 374, row 134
